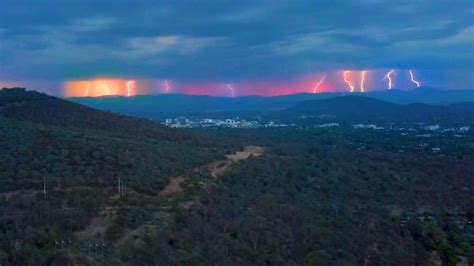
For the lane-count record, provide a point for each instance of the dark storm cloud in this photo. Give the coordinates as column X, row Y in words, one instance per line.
column 204, row 39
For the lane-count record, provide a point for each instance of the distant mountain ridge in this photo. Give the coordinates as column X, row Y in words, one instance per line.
column 160, row 106
column 359, row 108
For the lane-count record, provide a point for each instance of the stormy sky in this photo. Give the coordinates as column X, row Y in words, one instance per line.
column 43, row 43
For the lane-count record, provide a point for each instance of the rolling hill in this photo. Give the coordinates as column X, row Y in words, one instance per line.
column 74, row 144
column 313, row 197
column 35, row 107
column 61, row 163
column 365, row 109
column 162, row 106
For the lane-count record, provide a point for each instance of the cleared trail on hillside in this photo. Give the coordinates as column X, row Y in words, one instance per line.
column 98, row 225
column 175, row 185
column 216, row 168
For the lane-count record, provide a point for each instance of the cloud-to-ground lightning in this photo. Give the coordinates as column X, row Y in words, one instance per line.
column 130, row 85
column 362, row 80
column 167, row 86
column 88, row 89
column 349, row 80
column 412, row 78
column 346, row 74
column 231, row 89
column 315, row 89
column 388, row 77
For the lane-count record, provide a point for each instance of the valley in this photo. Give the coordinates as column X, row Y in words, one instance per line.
column 132, row 191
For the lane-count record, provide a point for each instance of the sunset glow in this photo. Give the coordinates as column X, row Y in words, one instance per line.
column 105, row 87
column 334, row 81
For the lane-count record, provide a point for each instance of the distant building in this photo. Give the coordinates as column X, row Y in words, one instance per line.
column 327, row 125
column 432, row 127
column 448, row 130
column 424, row 135
column 370, row 126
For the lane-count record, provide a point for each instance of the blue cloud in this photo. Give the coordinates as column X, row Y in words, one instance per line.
column 206, row 39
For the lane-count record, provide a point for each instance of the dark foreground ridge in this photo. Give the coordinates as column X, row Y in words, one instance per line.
column 88, row 187
column 35, row 107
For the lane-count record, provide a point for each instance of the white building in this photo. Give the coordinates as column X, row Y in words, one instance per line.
column 432, row 127
column 370, row 126
column 327, row 125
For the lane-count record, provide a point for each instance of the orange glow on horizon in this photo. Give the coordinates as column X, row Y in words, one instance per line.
column 100, row 87
column 333, row 81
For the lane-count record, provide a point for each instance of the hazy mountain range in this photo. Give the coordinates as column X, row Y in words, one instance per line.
column 358, row 109
column 159, row 106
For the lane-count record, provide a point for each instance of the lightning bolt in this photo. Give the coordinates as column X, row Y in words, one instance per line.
column 319, row 83
column 388, row 77
column 231, row 89
column 130, row 84
column 346, row 79
column 88, row 89
column 412, row 78
column 362, row 80
column 167, row 87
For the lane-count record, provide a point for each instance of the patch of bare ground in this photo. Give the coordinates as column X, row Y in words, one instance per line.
column 216, row 168
column 97, row 226
column 245, row 153
column 175, row 185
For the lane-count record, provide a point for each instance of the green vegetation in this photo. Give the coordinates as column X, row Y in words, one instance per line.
column 77, row 155
column 312, row 199
column 333, row 196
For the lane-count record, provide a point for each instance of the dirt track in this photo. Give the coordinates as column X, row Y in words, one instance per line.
column 99, row 224
column 216, row 168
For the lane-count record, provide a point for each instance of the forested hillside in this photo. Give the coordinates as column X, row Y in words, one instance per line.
column 80, row 186
column 32, row 106
column 61, row 164
column 325, row 197
column 65, row 158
